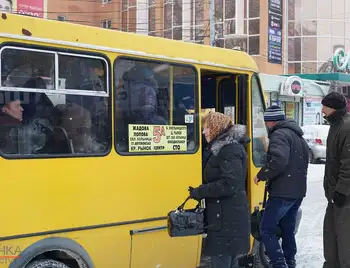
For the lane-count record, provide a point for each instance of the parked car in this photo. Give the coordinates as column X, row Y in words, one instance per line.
column 316, row 137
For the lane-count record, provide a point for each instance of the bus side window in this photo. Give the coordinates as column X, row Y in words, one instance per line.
column 153, row 95
column 260, row 134
column 51, row 123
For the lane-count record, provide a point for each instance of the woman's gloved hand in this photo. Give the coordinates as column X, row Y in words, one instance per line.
column 194, row 193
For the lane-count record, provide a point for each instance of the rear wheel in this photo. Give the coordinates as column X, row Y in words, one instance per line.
column 312, row 159
column 261, row 260
column 46, row 264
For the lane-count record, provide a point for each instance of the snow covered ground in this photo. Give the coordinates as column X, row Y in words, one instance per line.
column 309, row 237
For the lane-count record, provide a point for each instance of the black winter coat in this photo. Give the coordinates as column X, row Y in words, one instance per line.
column 227, row 212
column 337, row 168
column 287, row 161
column 9, row 134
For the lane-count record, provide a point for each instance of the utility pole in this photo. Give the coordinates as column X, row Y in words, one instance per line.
column 212, row 21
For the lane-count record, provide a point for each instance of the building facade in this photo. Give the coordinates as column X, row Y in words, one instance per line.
column 316, row 28
column 239, row 24
column 283, row 36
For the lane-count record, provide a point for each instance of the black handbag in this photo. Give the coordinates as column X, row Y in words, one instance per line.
column 255, row 220
column 186, row 222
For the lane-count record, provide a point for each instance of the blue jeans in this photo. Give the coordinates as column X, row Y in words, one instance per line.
column 280, row 211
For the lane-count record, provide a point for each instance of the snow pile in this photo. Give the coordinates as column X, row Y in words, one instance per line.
column 309, row 237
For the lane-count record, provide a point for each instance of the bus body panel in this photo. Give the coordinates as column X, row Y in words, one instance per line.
column 119, row 195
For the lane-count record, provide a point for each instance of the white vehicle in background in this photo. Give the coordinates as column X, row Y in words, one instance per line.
column 316, row 138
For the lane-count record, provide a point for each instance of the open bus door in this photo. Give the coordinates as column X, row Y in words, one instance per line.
column 225, row 93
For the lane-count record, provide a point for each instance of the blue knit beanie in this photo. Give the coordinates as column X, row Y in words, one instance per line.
column 274, row 113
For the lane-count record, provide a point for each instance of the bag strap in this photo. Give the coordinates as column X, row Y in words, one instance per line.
column 181, row 207
column 265, row 196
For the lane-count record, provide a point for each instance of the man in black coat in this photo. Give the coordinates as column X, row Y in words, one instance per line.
column 285, row 173
column 336, row 237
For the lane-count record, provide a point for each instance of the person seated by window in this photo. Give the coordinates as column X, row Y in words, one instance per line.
column 137, row 102
column 11, row 116
column 142, row 89
column 16, row 135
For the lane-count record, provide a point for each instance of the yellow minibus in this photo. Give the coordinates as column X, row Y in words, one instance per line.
column 102, row 137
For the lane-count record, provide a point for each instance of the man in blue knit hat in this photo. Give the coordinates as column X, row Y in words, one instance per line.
column 285, row 174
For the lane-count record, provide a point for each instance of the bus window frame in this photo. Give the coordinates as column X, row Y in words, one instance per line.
column 196, row 100
column 261, row 93
column 57, row 90
column 64, row 51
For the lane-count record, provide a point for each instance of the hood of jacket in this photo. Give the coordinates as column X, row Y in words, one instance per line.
column 234, row 134
column 290, row 124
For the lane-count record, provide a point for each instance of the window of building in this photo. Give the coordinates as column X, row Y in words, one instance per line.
column 124, row 15
column 254, row 45
column 152, row 17
column 106, row 24
column 260, row 135
column 155, row 107
column 60, row 105
column 254, row 26
column 236, row 43
column 294, row 49
column 237, row 24
column 309, row 28
column 173, row 19
column 309, row 54
column 254, row 9
column 106, row 1
column 193, row 21
column 309, row 67
column 324, row 48
column 294, row 68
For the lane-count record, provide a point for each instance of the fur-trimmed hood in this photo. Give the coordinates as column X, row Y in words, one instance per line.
column 234, row 134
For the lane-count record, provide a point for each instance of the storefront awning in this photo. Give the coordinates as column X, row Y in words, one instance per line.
column 341, row 78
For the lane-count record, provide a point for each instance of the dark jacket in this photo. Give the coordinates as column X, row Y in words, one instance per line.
column 287, row 161
column 227, row 213
column 337, row 168
column 9, row 133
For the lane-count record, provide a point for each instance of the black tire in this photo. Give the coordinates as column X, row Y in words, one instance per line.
column 312, row 159
column 264, row 259
column 46, row 264
column 260, row 258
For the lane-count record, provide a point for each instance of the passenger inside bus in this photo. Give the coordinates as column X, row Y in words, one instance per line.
column 57, row 123
column 11, row 116
column 138, row 100
column 152, row 93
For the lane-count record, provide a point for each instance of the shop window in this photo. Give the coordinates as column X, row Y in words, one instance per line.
column 260, row 135
column 155, row 111
column 254, row 45
column 53, row 112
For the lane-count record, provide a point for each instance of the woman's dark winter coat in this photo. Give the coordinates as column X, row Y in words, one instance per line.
column 227, row 213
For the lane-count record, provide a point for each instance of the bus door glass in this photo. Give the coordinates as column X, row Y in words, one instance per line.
column 227, row 96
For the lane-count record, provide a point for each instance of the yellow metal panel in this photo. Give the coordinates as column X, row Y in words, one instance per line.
column 157, row 249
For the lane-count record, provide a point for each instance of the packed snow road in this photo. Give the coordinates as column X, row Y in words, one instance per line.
column 309, row 237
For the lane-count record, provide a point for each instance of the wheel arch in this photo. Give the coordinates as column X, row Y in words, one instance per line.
column 60, row 244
